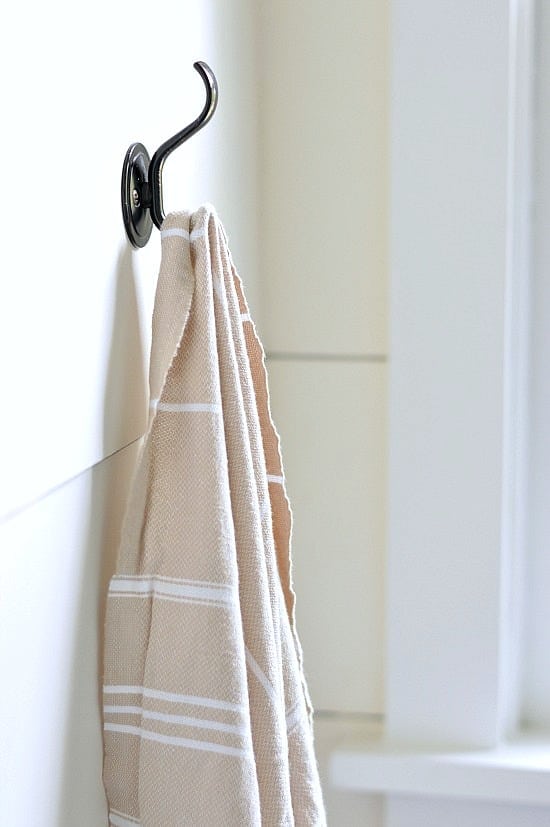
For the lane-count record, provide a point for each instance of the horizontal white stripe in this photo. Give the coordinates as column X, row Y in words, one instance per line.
column 245, row 317
column 172, row 696
column 183, row 720
column 213, row 604
column 208, row 746
column 223, row 594
column 133, row 819
column 185, row 407
column 172, row 231
column 173, row 580
column 275, row 478
column 121, row 820
column 181, row 233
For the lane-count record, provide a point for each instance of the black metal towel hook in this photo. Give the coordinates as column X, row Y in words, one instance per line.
column 142, row 177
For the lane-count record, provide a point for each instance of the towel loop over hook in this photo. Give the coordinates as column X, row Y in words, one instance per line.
column 142, row 177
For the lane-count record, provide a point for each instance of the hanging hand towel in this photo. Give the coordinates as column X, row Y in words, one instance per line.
column 207, row 717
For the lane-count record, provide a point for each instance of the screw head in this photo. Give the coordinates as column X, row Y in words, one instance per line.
column 135, row 198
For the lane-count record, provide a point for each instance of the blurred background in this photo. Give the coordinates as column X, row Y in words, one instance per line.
column 382, row 168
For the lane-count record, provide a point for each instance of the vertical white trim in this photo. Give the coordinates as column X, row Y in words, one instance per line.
column 536, row 687
column 459, row 184
column 516, row 362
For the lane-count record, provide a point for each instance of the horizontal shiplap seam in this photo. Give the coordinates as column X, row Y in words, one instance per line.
column 17, row 510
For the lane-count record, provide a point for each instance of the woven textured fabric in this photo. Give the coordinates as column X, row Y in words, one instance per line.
column 207, row 717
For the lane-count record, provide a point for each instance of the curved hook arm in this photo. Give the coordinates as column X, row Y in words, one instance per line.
column 162, row 153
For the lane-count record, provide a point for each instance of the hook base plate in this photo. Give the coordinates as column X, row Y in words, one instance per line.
column 137, row 218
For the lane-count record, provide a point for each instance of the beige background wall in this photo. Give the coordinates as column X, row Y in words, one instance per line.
column 323, row 269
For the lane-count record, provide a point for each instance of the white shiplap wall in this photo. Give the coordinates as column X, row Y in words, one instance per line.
column 74, row 339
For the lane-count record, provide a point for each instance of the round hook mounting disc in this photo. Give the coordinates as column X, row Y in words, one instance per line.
column 137, row 218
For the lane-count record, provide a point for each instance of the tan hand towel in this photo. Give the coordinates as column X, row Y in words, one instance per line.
column 207, row 718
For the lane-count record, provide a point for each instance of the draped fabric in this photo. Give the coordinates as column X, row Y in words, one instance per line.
column 207, row 717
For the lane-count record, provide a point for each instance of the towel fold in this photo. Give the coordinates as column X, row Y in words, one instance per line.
column 207, row 717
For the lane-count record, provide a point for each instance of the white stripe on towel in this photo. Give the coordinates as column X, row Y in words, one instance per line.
column 173, row 697
column 294, row 717
column 213, row 583
column 122, row 820
column 185, row 407
column 217, row 285
column 275, row 478
column 183, row 720
column 174, row 231
column 265, row 509
column 245, row 317
column 159, row 594
column 181, row 233
column 189, row 743
column 166, row 588
column 255, row 667
column 191, row 601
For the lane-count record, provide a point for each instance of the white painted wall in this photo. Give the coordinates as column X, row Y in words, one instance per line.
column 80, row 85
column 57, row 557
column 79, row 89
